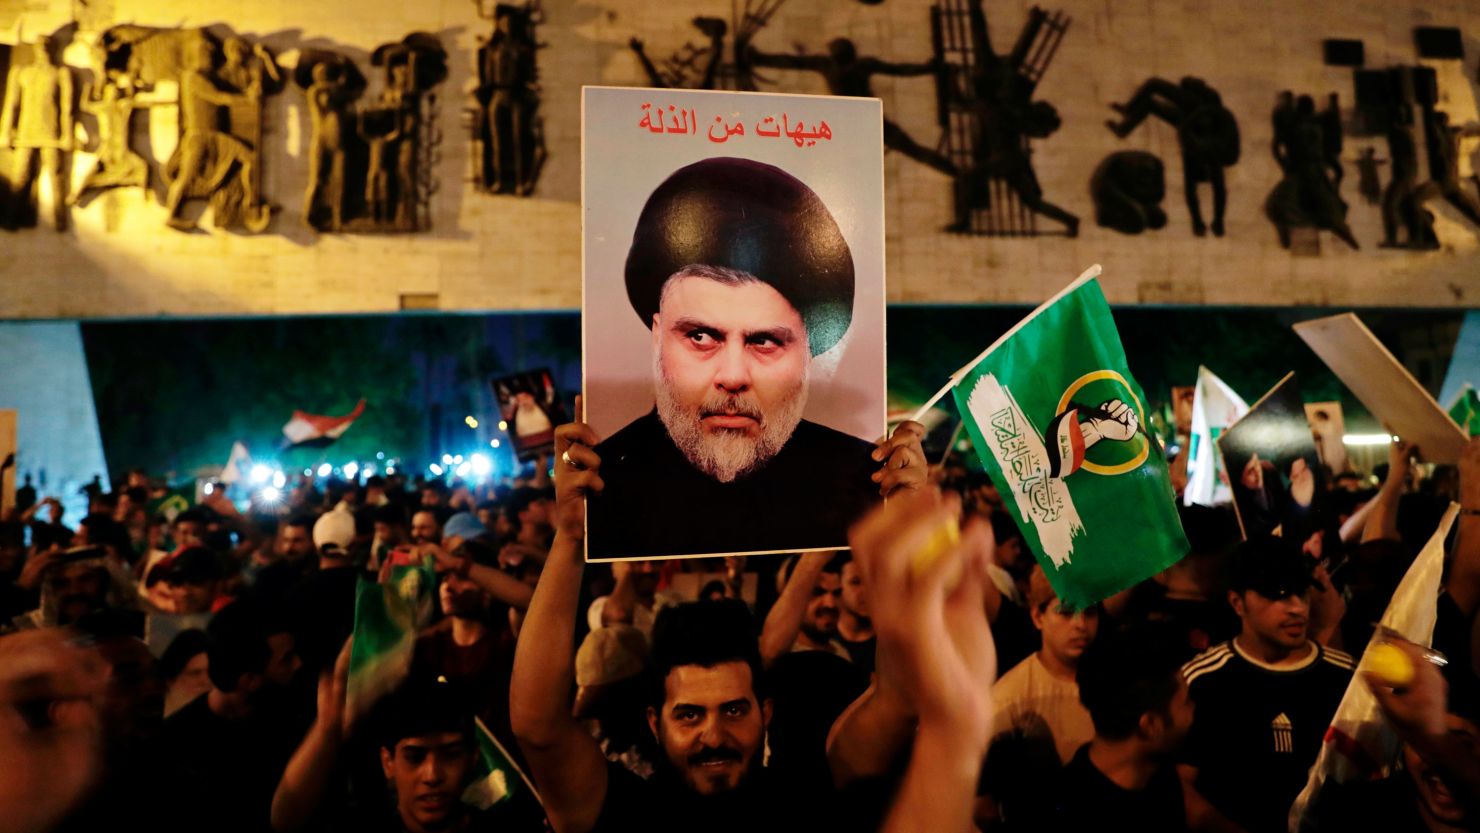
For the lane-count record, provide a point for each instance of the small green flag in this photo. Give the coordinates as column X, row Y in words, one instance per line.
column 1061, row 426
column 387, row 619
column 1466, row 411
column 497, row 778
column 175, row 500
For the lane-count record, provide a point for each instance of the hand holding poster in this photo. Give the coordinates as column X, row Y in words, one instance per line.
column 1383, row 385
column 732, row 320
column 1059, row 423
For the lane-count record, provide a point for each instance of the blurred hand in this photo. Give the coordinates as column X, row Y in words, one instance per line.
column 35, row 569
column 935, row 645
column 1416, row 709
column 1400, row 461
column 50, row 736
column 576, row 474
column 904, row 467
column 333, row 686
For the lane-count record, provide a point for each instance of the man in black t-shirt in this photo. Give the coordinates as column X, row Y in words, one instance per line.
column 708, row 710
column 1138, row 701
column 227, row 747
column 1266, row 697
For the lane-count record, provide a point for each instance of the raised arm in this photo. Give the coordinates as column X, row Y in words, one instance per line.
column 930, row 619
column 1382, row 520
column 906, row 70
column 1463, row 581
column 496, row 583
column 566, row 762
column 784, row 621
column 815, row 63
column 305, row 781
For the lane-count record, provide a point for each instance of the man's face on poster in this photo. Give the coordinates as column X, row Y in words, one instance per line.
column 730, row 362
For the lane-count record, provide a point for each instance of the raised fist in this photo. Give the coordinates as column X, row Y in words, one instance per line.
column 1116, row 421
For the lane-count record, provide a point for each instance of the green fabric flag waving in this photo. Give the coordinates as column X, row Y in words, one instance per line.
column 1061, row 426
column 496, row 777
column 387, row 619
column 1466, row 411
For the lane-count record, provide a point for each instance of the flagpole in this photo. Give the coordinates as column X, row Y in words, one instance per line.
column 951, row 446
column 1087, row 275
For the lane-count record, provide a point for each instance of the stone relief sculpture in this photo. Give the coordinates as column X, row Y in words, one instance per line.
column 370, row 162
column 330, row 84
column 1308, row 195
column 217, row 89
column 1127, row 188
column 991, row 119
column 509, row 132
column 110, row 99
column 849, row 74
column 715, row 64
column 36, row 121
column 216, row 158
column 1207, row 134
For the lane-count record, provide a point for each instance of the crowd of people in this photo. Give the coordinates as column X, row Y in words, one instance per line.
column 191, row 671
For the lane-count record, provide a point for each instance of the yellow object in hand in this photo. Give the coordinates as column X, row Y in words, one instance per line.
column 1390, row 664
column 942, row 541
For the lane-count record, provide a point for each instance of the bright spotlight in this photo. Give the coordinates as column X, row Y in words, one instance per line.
column 462, row 470
column 260, row 473
column 502, row 425
column 471, row 421
column 279, row 480
column 446, row 459
column 350, row 470
column 270, row 494
column 435, row 469
column 325, row 469
column 482, row 466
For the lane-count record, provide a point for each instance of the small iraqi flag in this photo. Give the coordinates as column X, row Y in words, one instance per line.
column 307, row 430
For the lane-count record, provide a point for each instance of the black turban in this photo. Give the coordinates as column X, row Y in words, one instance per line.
column 750, row 217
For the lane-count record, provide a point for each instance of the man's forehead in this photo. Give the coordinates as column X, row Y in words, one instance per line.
column 434, row 742
column 751, row 305
column 709, row 685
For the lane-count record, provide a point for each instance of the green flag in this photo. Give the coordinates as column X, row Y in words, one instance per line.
column 176, row 499
column 1466, row 411
column 496, row 777
column 1061, row 426
column 387, row 618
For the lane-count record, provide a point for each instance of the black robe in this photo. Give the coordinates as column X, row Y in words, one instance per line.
column 656, row 503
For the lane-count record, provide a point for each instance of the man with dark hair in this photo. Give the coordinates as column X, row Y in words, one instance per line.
column 709, row 716
column 744, row 278
column 1039, row 722
column 194, row 577
column 426, row 526
column 1265, row 697
column 1132, row 687
column 228, row 751
column 855, row 622
column 805, row 616
column 427, row 748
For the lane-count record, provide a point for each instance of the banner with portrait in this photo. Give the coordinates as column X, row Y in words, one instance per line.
column 529, row 409
column 1275, row 471
column 732, row 319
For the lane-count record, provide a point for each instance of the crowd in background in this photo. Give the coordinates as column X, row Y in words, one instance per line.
column 189, row 672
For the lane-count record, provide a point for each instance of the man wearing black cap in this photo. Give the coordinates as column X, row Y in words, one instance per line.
column 744, row 278
column 1264, row 698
